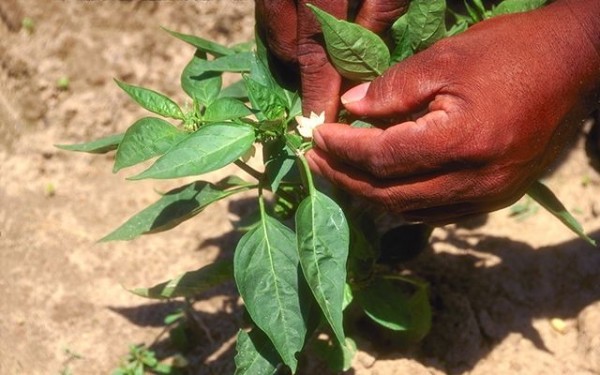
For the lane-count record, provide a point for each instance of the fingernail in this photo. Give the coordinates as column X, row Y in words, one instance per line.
column 355, row 94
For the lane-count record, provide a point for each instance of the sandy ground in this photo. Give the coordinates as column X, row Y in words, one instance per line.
column 496, row 282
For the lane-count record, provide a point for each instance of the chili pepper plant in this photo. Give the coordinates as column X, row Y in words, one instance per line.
column 307, row 256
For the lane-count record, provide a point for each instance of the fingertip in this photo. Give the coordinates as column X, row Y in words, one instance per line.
column 318, row 138
column 355, row 94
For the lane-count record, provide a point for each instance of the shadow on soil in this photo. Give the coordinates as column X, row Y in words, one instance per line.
column 475, row 306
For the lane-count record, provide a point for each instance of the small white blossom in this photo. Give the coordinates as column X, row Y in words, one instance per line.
column 306, row 125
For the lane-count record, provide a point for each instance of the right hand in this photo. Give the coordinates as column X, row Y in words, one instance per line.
column 293, row 37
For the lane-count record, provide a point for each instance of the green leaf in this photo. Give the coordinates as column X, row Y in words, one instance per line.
column 99, row 146
column 546, row 198
column 237, row 63
column 170, row 210
column 323, row 242
column 423, row 24
column 225, row 109
column 255, row 354
column 210, row 148
column 235, row 90
column 516, row 6
column 457, row 28
column 199, row 84
column 397, row 305
column 264, row 100
column 402, row 38
column 356, row 52
column 338, row 357
column 474, row 15
column 480, row 8
column 191, row 283
column 203, row 45
column 279, row 161
column 267, row 274
column 145, row 139
column 152, row 100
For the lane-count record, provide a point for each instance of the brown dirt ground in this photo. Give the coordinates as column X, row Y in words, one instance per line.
column 495, row 287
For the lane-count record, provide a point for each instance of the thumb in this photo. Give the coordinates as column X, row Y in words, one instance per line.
column 406, row 87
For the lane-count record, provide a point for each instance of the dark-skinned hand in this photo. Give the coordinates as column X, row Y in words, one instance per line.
column 293, row 37
column 496, row 103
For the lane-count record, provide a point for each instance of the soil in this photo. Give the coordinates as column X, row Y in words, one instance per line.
column 518, row 295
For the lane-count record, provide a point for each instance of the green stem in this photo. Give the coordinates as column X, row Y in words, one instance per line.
column 306, row 173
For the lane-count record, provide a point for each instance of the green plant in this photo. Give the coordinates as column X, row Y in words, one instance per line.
column 307, row 255
column 142, row 360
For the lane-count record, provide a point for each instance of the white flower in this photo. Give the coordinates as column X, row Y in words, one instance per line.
column 306, row 125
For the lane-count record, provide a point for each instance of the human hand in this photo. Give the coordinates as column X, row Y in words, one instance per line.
column 292, row 35
column 502, row 99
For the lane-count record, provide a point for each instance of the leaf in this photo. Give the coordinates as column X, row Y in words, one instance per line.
column 338, row 357
column 255, row 354
column 397, row 305
column 212, row 147
column 516, row 6
column 267, row 274
column 268, row 105
column 237, row 63
column 199, row 84
column 146, row 138
column 191, row 283
column 323, row 242
column 356, row 52
column 279, row 161
column 170, row 210
column 459, row 27
column 546, row 198
column 404, row 48
column 423, row 24
column 225, row 109
column 235, row 90
column 203, row 45
column 99, row 146
column 152, row 100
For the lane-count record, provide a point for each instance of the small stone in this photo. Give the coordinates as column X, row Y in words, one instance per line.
column 559, row 325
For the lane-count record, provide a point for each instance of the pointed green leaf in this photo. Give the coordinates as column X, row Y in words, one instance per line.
column 517, row 6
column 356, row 52
column 210, row 148
column 323, row 242
column 224, row 109
column 152, row 100
column 191, row 283
column 199, row 84
column 235, row 90
column 426, row 24
column 279, row 161
column 546, row 198
column 268, row 105
column 170, row 210
column 203, row 45
column 267, row 275
column 238, row 63
column 145, row 139
column 99, row 146
column 255, row 354
column 397, row 305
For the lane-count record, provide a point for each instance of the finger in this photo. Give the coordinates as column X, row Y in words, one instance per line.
column 276, row 22
column 425, row 146
column 398, row 196
column 406, row 87
column 379, row 15
column 320, row 81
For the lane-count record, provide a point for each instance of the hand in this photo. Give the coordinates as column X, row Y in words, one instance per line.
column 500, row 98
column 292, row 35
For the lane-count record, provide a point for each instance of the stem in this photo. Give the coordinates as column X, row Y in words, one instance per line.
column 248, row 169
column 408, row 280
column 306, row 173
